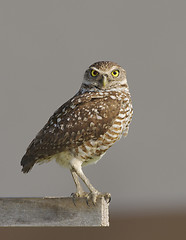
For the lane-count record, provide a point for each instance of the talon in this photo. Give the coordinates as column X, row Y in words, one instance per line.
column 73, row 200
column 109, row 200
column 107, row 197
column 74, row 196
column 87, row 198
column 78, row 195
column 96, row 195
column 93, row 197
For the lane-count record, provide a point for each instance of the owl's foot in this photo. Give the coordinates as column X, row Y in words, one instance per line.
column 76, row 170
column 80, row 194
column 93, row 196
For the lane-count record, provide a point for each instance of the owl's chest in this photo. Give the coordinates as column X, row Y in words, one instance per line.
column 115, row 132
column 92, row 150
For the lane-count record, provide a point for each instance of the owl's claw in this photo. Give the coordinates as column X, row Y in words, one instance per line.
column 79, row 195
column 107, row 197
column 95, row 195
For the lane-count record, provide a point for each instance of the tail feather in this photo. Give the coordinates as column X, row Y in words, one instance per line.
column 27, row 162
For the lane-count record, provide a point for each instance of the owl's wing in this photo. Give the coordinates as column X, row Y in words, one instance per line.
column 83, row 117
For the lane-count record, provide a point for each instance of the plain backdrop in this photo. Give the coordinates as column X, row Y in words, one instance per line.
column 45, row 47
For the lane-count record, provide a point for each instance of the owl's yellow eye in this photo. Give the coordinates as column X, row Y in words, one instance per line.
column 94, row 73
column 115, row 73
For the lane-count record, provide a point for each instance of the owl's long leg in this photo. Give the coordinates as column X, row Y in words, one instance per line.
column 79, row 189
column 76, row 166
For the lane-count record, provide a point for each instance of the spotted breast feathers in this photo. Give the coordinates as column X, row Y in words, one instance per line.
column 83, row 117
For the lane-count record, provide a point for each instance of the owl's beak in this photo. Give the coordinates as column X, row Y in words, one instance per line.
column 104, row 81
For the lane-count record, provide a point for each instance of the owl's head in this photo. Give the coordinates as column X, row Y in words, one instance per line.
column 105, row 75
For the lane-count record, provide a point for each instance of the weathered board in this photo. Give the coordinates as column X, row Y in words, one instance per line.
column 52, row 211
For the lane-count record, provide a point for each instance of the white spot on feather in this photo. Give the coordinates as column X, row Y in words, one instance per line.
column 113, row 97
column 121, row 115
column 98, row 117
column 73, row 106
column 59, row 119
column 92, row 124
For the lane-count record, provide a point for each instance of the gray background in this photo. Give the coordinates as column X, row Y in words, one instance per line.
column 45, row 46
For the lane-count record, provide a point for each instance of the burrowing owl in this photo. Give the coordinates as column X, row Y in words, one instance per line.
column 83, row 128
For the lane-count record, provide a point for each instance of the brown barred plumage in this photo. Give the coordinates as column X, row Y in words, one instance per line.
column 83, row 128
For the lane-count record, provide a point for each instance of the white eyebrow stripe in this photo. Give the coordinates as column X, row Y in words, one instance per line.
column 114, row 68
column 97, row 70
column 109, row 71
